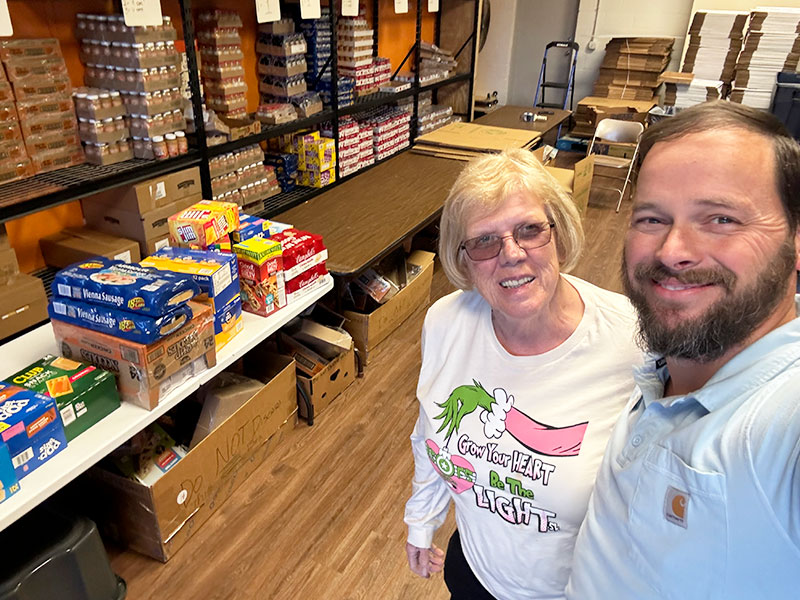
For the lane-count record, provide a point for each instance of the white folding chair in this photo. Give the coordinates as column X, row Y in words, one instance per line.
column 616, row 131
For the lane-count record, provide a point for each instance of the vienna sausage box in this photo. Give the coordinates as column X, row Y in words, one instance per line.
column 30, row 426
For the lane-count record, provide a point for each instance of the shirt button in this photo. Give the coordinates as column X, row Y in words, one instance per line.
column 636, row 441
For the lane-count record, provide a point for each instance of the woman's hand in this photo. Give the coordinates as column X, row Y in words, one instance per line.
column 424, row 561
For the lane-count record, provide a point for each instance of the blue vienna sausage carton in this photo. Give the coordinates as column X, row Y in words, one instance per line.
column 142, row 329
column 31, row 427
column 122, row 286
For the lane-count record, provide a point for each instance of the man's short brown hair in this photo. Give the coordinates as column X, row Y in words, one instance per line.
column 721, row 114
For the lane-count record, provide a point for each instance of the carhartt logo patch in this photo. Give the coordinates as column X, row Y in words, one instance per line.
column 676, row 507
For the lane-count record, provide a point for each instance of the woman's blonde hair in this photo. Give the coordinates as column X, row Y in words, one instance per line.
column 483, row 185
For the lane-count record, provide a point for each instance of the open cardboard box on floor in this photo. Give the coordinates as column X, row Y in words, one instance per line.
column 157, row 520
column 577, row 181
column 368, row 330
column 322, row 388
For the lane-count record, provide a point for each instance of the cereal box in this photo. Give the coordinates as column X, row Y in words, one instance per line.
column 30, row 426
column 83, row 393
column 261, row 275
column 204, row 223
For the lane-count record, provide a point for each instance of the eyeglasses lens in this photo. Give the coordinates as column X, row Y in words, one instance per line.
column 527, row 236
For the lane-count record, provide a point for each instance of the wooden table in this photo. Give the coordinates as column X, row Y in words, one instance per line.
column 509, row 116
column 365, row 218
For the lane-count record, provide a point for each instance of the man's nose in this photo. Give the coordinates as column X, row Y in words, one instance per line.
column 680, row 247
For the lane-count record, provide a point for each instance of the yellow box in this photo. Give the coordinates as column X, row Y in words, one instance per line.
column 317, row 179
column 257, row 250
column 320, row 154
column 203, row 223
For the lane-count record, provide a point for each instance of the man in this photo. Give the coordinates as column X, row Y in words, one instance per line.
column 698, row 495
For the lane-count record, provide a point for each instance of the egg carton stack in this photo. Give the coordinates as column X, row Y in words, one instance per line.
column 282, row 63
column 242, row 177
column 221, row 65
column 143, row 65
column 435, row 63
column 319, row 45
column 772, row 45
column 37, row 112
column 433, row 117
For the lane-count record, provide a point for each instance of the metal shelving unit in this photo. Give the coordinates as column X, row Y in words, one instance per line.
column 47, row 190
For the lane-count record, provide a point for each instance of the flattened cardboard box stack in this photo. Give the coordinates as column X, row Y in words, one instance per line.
column 682, row 90
column 772, row 45
column 592, row 109
column 715, row 39
column 631, row 66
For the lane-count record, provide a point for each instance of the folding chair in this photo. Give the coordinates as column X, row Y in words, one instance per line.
column 616, row 131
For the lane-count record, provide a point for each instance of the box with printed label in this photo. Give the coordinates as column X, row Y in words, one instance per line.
column 204, row 223
column 79, row 243
column 158, row 519
column 148, row 228
column 144, row 372
column 261, row 275
column 30, row 426
column 9, row 485
column 83, row 393
column 23, row 303
column 153, row 193
column 216, row 273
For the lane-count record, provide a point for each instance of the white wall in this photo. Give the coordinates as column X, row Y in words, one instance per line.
column 626, row 18
column 537, row 23
column 494, row 61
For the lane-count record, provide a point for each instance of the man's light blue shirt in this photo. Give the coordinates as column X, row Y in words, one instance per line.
column 698, row 496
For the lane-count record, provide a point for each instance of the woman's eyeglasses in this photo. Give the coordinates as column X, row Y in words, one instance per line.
column 526, row 235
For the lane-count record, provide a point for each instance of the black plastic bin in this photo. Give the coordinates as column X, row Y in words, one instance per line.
column 786, row 102
column 49, row 556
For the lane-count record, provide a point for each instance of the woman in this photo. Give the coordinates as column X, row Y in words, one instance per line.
column 524, row 371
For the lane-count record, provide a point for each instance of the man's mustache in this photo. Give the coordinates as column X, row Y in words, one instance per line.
column 660, row 272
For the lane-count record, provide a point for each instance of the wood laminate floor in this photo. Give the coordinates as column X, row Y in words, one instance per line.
column 323, row 517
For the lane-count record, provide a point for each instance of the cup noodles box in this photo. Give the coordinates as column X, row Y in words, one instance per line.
column 83, row 393
column 144, row 372
column 261, row 275
column 204, row 223
column 8, row 478
column 30, row 426
column 301, row 250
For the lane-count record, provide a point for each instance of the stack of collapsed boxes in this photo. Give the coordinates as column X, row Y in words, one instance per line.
column 242, row 177
column 143, row 65
column 221, row 59
column 40, row 108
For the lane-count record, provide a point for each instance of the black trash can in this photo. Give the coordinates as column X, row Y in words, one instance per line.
column 786, row 102
column 49, row 556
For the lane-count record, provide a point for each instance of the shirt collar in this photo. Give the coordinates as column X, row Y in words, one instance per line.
column 751, row 368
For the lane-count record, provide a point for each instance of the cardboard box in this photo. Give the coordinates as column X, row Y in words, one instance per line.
column 368, row 330
column 326, row 385
column 149, row 229
column 157, row 520
column 23, row 303
column 84, row 394
column 153, row 193
column 31, row 427
column 8, row 264
column 143, row 371
column 76, row 244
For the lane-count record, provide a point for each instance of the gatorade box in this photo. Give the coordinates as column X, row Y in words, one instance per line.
column 83, row 393
column 30, row 426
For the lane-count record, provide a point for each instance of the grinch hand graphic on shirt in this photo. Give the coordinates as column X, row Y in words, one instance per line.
column 509, row 493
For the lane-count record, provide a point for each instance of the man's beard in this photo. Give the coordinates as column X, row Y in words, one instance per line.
column 724, row 325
